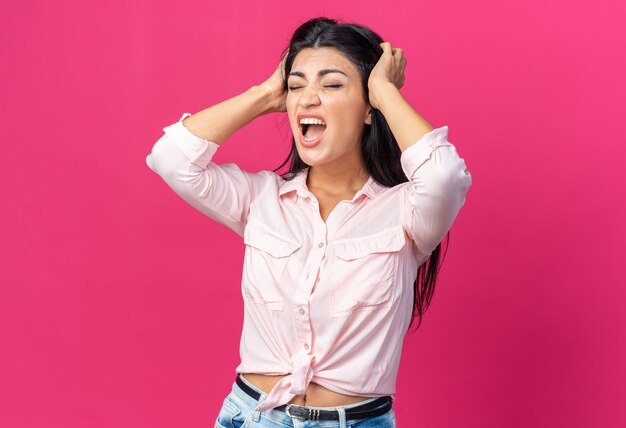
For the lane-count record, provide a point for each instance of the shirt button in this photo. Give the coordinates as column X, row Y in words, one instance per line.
column 321, row 244
column 466, row 171
column 306, row 346
column 301, row 311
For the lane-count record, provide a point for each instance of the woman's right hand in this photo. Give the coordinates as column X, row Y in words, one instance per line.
column 274, row 86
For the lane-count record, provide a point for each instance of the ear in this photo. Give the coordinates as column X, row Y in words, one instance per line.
column 368, row 117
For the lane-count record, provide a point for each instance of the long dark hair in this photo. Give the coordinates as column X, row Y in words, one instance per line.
column 379, row 148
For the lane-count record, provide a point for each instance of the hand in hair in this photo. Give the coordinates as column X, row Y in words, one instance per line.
column 275, row 87
column 388, row 70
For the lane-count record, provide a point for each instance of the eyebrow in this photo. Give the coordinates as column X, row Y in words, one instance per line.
column 319, row 73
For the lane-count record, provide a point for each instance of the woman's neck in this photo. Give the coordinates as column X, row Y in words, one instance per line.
column 337, row 180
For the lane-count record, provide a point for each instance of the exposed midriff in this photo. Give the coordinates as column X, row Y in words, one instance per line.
column 315, row 394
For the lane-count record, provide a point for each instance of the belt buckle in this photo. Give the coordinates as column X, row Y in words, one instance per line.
column 301, row 418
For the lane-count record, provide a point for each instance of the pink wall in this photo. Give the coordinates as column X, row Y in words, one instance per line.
column 120, row 305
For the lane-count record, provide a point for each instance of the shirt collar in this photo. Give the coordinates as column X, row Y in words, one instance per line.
column 371, row 188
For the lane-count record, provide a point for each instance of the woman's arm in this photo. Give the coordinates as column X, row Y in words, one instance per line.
column 220, row 121
column 438, row 175
column 384, row 84
column 183, row 155
column 407, row 125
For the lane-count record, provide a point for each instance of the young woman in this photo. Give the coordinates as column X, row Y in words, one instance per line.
column 342, row 252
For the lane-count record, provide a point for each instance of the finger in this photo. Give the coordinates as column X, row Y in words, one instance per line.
column 398, row 53
column 386, row 48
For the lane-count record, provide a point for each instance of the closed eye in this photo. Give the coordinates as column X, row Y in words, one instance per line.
column 293, row 88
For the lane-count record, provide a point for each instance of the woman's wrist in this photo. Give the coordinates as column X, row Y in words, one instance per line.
column 383, row 95
column 268, row 101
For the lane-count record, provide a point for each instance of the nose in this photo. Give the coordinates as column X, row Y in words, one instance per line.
column 309, row 96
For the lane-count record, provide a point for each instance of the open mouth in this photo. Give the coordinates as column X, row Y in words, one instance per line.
column 312, row 132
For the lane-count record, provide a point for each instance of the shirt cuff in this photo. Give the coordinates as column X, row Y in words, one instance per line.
column 415, row 155
column 198, row 150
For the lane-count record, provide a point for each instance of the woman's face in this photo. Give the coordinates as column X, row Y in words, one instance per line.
column 324, row 84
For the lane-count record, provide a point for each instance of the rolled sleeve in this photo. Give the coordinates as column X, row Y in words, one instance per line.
column 415, row 155
column 439, row 181
column 198, row 150
column 222, row 192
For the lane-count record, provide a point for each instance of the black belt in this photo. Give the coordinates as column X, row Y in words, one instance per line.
column 303, row 413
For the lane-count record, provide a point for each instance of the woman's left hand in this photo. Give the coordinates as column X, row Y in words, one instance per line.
column 389, row 69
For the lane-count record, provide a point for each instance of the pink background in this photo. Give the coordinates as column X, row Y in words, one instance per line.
column 120, row 305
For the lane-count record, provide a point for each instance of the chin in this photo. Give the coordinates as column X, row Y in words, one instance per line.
column 314, row 160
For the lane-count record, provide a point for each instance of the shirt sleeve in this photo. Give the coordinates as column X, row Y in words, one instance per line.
column 222, row 192
column 439, row 183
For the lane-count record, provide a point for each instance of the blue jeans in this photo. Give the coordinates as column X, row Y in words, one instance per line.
column 238, row 412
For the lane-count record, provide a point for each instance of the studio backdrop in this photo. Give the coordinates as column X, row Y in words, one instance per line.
column 121, row 306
